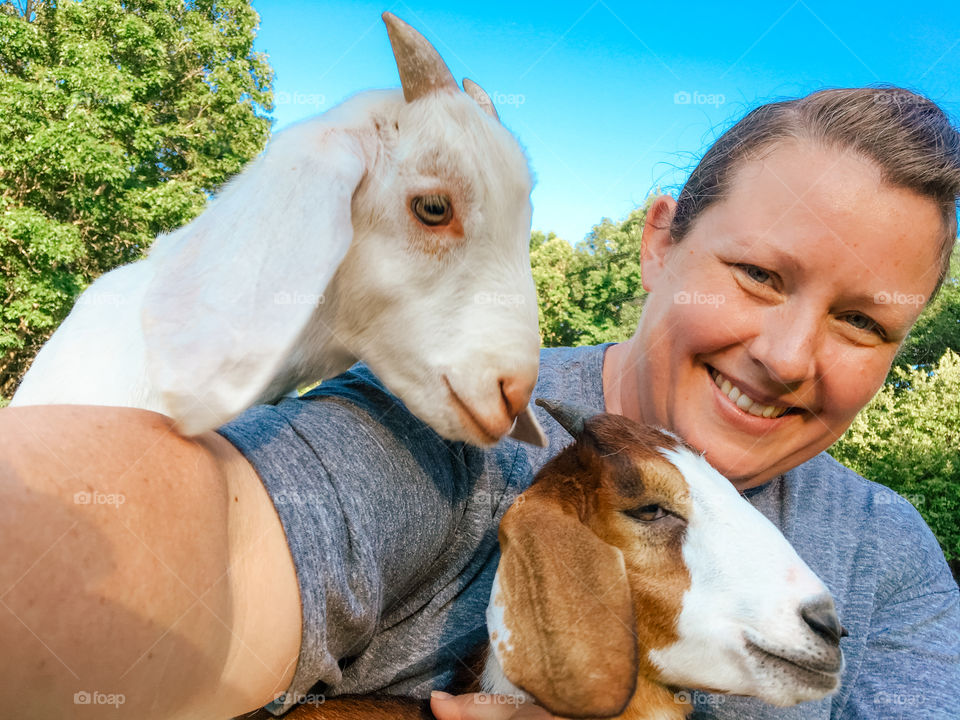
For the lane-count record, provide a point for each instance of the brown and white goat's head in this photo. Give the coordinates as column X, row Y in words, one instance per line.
column 393, row 229
column 631, row 569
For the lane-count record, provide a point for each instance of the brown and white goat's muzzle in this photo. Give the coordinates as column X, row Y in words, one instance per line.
column 755, row 620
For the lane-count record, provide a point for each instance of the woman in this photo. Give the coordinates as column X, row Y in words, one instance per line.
column 763, row 335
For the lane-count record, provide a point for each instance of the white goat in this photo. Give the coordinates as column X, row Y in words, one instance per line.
column 631, row 569
column 393, row 228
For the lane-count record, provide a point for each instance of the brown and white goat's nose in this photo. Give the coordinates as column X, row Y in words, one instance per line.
column 821, row 616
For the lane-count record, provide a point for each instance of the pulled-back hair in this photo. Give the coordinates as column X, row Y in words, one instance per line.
column 906, row 135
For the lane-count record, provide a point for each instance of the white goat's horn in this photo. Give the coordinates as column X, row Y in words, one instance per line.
column 571, row 417
column 481, row 98
column 422, row 70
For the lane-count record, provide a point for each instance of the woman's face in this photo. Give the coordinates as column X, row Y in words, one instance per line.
column 789, row 297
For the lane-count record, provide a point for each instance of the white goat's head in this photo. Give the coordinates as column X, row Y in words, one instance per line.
column 631, row 569
column 404, row 220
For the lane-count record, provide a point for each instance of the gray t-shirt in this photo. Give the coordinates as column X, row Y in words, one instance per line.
column 393, row 533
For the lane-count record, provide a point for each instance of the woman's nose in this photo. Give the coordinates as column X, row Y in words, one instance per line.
column 787, row 344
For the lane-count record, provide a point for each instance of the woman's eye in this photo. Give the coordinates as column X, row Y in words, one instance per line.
column 862, row 322
column 756, row 274
column 647, row 513
column 432, row 210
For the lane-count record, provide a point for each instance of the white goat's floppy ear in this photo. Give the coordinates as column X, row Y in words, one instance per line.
column 233, row 290
column 568, row 621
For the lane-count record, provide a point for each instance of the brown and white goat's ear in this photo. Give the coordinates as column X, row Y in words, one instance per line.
column 566, row 625
column 233, row 290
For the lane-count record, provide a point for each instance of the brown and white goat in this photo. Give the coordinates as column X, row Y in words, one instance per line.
column 631, row 569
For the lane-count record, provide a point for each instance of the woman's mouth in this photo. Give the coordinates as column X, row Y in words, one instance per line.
column 743, row 400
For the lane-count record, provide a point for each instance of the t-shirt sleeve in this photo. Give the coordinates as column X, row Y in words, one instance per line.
column 911, row 664
column 368, row 497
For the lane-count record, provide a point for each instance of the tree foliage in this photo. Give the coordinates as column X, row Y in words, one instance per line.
column 938, row 327
column 908, row 438
column 118, row 119
column 590, row 293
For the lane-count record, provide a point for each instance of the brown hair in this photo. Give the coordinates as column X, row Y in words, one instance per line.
column 908, row 136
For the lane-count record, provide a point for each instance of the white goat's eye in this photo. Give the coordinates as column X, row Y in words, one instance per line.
column 647, row 513
column 432, row 210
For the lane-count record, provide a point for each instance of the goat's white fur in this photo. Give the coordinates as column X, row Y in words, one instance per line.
column 311, row 259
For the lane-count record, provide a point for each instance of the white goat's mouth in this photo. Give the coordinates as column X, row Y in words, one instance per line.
column 464, row 411
column 815, row 673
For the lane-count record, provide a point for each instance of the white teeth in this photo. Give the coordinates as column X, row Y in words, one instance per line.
column 744, row 401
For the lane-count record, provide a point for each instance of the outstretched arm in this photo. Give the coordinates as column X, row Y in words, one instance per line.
column 144, row 575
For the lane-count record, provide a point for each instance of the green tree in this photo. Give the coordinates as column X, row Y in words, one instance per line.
column 590, row 293
column 118, row 119
column 908, row 438
column 938, row 327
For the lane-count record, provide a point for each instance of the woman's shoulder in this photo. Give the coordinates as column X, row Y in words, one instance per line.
column 861, row 534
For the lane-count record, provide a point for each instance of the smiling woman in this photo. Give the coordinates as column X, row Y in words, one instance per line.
column 801, row 222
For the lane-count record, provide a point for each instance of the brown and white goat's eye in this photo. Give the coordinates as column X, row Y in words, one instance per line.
column 647, row 513
column 432, row 210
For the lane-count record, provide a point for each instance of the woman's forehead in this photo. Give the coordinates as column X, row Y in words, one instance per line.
column 808, row 207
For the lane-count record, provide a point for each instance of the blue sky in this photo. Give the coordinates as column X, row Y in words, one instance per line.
column 613, row 99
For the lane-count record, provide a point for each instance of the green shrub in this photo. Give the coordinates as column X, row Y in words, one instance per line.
column 908, row 438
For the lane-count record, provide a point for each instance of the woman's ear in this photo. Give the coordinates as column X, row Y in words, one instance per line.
column 656, row 241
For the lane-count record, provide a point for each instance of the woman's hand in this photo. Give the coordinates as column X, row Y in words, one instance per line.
column 484, row 706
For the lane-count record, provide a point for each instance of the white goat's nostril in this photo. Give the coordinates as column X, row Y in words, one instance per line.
column 516, row 394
